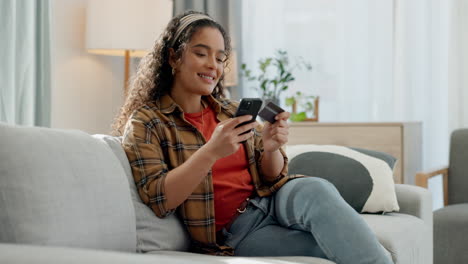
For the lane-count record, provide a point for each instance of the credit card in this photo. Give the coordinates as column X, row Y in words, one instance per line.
column 269, row 112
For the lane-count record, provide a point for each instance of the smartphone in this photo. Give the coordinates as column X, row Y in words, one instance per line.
column 248, row 106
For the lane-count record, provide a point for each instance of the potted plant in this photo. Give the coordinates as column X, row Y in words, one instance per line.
column 275, row 75
column 308, row 104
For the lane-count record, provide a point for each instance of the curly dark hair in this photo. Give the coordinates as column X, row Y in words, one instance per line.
column 154, row 75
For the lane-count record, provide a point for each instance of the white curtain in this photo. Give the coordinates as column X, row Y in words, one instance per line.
column 373, row 61
column 25, row 62
column 458, row 65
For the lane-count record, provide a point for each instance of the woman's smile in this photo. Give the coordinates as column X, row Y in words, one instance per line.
column 207, row 77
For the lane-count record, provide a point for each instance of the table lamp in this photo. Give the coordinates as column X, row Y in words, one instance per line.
column 125, row 27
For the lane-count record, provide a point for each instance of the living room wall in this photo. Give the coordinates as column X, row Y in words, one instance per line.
column 86, row 89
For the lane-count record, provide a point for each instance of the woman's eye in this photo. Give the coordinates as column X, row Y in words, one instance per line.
column 200, row 54
column 220, row 60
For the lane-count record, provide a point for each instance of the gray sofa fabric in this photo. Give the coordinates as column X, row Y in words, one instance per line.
column 451, row 222
column 451, row 231
column 70, row 189
column 63, row 188
column 458, row 168
column 253, row 260
column 153, row 233
column 27, row 254
column 399, row 234
column 415, row 201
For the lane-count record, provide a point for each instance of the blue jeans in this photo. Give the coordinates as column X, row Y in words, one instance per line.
column 306, row 217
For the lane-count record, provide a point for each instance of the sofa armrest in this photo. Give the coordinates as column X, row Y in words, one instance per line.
column 422, row 179
column 416, row 201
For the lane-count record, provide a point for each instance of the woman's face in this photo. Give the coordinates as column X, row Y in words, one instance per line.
column 202, row 63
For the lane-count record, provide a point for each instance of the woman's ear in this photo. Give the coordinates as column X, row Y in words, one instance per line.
column 172, row 58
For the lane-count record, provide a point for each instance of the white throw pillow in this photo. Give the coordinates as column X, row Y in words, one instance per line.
column 363, row 177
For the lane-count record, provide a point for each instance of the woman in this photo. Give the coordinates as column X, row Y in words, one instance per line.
column 185, row 150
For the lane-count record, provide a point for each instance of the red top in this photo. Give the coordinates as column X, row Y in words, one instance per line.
column 231, row 178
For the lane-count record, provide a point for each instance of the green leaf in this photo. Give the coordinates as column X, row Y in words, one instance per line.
column 309, row 106
column 280, row 65
column 286, row 78
column 298, row 117
column 290, row 101
column 263, row 85
column 264, row 64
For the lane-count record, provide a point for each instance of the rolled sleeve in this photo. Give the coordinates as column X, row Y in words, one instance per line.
column 149, row 169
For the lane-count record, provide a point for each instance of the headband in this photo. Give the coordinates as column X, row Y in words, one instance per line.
column 185, row 22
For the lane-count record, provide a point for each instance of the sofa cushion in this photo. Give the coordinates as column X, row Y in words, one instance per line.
column 406, row 237
column 16, row 254
column 208, row 259
column 363, row 177
column 153, row 233
column 63, row 188
column 451, row 234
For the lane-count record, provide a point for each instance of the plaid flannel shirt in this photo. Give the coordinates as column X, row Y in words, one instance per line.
column 158, row 139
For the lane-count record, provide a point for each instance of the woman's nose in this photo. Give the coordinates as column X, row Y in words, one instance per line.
column 211, row 62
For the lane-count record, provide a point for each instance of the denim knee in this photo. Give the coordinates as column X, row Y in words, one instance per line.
column 314, row 185
column 307, row 187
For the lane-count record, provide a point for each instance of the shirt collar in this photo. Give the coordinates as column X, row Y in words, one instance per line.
column 167, row 105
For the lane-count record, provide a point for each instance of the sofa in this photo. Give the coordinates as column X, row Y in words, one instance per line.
column 69, row 197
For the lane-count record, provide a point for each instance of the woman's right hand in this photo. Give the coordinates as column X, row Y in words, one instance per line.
column 226, row 138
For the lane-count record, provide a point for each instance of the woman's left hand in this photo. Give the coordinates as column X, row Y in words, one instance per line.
column 276, row 135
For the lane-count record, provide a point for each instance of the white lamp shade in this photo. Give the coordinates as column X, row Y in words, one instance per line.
column 113, row 26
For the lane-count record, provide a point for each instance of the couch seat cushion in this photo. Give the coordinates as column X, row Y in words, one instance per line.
column 193, row 257
column 451, row 234
column 406, row 237
column 10, row 253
